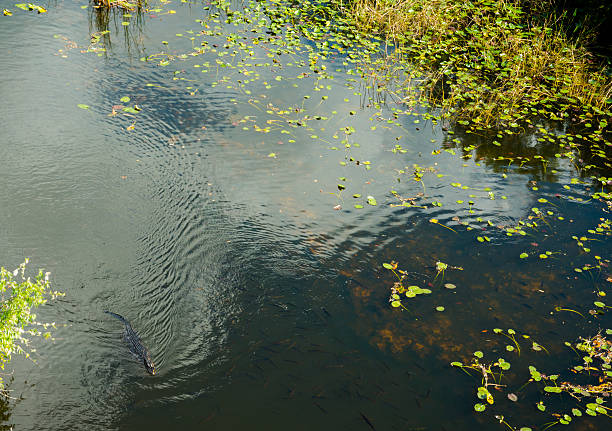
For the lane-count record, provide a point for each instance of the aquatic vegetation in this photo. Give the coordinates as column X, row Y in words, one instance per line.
column 26, row 7
column 588, row 383
column 492, row 375
column 400, row 288
column 490, row 62
column 130, row 5
column 19, row 296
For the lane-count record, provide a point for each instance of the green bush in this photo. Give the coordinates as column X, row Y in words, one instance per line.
column 19, row 295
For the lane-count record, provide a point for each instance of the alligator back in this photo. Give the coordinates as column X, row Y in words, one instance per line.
column 135, row 344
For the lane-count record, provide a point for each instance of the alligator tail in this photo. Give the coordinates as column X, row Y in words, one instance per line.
column 117, row 316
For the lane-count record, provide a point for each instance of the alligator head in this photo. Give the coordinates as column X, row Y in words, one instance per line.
column 149, row 365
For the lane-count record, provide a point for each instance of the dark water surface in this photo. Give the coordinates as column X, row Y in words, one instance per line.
column 262, row 306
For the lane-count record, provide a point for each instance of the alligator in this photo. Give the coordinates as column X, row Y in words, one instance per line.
column 135, row 344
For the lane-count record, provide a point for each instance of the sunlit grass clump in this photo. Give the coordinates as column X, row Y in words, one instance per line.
column 122, row 4
column 489, row 61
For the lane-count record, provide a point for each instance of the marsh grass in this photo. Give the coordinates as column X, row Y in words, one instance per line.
column 130, row 5
column 126, row 17
column 489, row 62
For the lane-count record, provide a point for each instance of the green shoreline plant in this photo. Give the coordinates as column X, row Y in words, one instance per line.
column 490, row 61
column 19, row 295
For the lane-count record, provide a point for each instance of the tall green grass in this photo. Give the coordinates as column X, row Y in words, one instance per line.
column 490, row 60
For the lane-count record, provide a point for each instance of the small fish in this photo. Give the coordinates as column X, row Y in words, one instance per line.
column 320, row 407
column 367, row 421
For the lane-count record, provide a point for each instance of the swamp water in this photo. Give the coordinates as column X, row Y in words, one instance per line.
column 210, row 183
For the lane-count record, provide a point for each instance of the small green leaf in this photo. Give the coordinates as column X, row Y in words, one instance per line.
column 82, row 106
column 480, row 407
column 125, row 99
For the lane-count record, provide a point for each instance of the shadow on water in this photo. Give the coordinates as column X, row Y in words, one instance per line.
column 540, row 155
column 5, row 412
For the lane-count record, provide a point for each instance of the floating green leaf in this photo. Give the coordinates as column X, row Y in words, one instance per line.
column 479, row 407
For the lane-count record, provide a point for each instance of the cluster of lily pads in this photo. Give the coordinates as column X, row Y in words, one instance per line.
column 402, row 288
column 26, row 7
column 589, row 396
